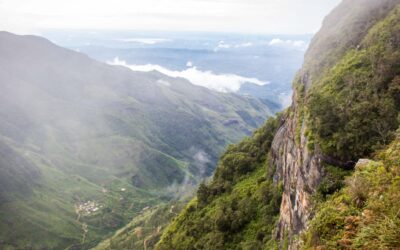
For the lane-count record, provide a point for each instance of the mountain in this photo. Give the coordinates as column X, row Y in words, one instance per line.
column 85, row 146
column 201, row 55
column 295, row 183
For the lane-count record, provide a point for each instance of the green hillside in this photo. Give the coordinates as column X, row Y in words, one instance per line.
column 353, row 108
column 364, row 214
column 346, row 107
column 85, row 146
column 98, row 156
column 239, row 202
column 238, row 209
column 145, row 230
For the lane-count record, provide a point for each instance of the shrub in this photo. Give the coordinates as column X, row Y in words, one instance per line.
column 353, row 108
column 358, row 189
column 365, row 214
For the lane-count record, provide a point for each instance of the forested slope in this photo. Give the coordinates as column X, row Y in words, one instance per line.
column 346, row 107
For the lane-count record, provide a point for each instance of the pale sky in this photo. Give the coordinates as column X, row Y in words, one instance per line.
column 250, row 16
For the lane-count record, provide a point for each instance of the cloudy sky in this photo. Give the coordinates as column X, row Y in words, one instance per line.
column 252, row 16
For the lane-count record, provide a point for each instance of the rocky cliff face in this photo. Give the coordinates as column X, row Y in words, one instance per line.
column 346, row 100
column 299, row 169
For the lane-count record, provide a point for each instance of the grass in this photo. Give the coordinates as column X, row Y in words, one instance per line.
column 365, row 213
column 144, row 229
column 197, row 227
column 50, row 210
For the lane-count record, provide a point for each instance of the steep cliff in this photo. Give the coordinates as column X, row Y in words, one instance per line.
column 345, row 107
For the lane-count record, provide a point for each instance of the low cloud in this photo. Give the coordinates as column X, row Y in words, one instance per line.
column 300, row 44
column 201, row 159
column 146, row 41
column 286, row 99
column 223, row 45
column 244, row 45
column 219, row 82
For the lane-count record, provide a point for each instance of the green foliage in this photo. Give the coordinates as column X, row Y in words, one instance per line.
column 144, row 231
column 203, row 194
column 347, row 104
column 244, row 217
column 285, row 244
column 352, row 112
column 353, row 109
column 365, row 213
column 332, row 181
column 299, row 89
column 239, row 208
column 243, row 158
column 344, row 28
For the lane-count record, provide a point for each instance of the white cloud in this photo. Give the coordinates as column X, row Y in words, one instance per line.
column 300, row 44
column 189, row 64
column 243, row 45
column 223, row 45
column 219, row 82
column 147, row 41
column 278, row 41
column 286, row 99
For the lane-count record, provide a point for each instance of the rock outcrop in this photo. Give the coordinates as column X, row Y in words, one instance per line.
column 345, row 103
column 300, row 169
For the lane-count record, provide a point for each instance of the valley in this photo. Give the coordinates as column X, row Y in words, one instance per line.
column 80, row 138
column 195, row 138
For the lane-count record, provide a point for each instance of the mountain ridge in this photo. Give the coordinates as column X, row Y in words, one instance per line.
column 347, row 88
column 101, row 142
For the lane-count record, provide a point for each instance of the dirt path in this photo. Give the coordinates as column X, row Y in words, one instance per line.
column 85, row 231
column 84, row 225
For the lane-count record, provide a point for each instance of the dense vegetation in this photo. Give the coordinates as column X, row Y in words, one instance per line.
column 365, row 214
column 353, row 112
column 239, row 208
column 343, row 29
column 353, row 109
column 347, row 107
column 144, row 231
